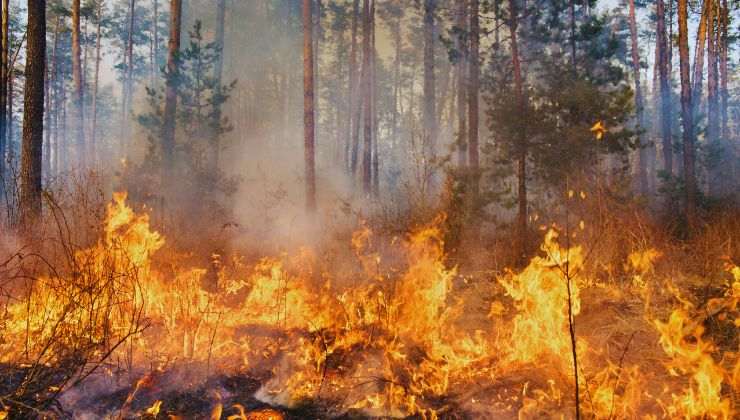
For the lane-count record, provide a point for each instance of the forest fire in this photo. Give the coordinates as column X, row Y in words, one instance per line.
column 366, row 209
column 398, row 341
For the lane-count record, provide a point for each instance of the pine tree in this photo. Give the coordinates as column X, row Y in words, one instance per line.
column 33, row 113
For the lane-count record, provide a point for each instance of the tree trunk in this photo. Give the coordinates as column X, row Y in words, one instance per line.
column 308, row 107
column 496, row 23
column 62, row 147
column 731, row 167
column 354, row 104
column 713, row 123
column 522, row 149
column 686, row 115
column 155, row 39
column 96, row 81
column 665, row 89
column 127, row 78
column 430, row 112
column 218, row 73
column 572, row 40
column 701, row 35
column 33, row 113
column 170, row 106
column 639, row 107
column 461, row 46
column 4, row 78
column 367, row 103
column 398, row 45
column 374, row 105
column 10, row 153
column 47, row 116
column 474, row 81
column 52, row 111
column 79, row 101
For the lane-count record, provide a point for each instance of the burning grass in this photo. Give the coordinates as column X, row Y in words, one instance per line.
column 131, row 328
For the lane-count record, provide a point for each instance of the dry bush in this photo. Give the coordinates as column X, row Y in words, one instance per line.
column 66, row 308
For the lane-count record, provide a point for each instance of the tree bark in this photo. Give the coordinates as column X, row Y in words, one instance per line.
column 474, row 81
column 462, row 115
column 367, row 103
column 354, row 104
column 127, row 78
column 308, row 107
column 52, row 113
column 701, row 41
column 4, row 78
column 572, row 40
column 639, row 106
column 79, row 88
column 9, row 152
column 730, row 168
column 686, row 114
column 170, row 106
column 398, row 46
column 33, row 114
column 430, row 111
column 218, row 72
column 63, row 146
column 522, row 148
column 713, row 112
column 665, row 89
column 96, row 81
column 155, row 39
column 374, row 105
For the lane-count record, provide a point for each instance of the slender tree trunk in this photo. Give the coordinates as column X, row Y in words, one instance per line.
column 522, row 141
column 316, row 38
column 686, row 114
column 52, row 112
column 639, row 107
column 678, row 155
column 665, row 90
column 572, row 40
column 52, row 138
column 4, row 78
column 730, row 168
column 367, row 103
column 354, row 104
column 63, row 144
column 374, row 105
column 127, row 78
column 713, row 112
column 85, row 61
column 79, row 101
column 474, row 82
column 170, row 107
column 462, row 115
column 96, row 81
column 308, row 107
column 218, row 72
column 33, row 114
column 47, row 117
column 669, row 62
column 701, row 42
column 496, row 22
column 155, row 39
column 398, row 45
column 9, row 131
column 430, row 111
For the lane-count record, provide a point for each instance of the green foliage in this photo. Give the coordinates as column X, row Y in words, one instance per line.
column 200, row 124
column 565, row 96
column 116, row 25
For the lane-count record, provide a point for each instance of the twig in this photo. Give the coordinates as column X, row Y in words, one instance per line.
column 619, row 371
